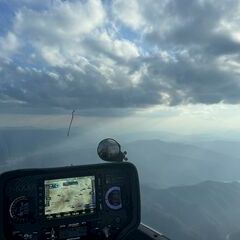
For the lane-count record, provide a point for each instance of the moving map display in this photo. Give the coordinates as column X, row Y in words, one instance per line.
column 70, row 196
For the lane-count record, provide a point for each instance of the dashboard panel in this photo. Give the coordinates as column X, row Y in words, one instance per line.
column 99, row 201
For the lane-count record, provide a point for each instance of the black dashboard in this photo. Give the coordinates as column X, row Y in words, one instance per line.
column 99, row 201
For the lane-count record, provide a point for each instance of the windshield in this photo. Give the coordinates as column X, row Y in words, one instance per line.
column 160, row 77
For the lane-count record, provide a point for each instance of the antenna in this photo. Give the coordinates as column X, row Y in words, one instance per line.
column 70, row 125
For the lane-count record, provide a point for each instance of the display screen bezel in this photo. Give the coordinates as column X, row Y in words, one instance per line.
column 70, row 214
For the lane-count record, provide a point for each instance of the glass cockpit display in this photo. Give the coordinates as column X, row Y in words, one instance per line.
column 69, row 196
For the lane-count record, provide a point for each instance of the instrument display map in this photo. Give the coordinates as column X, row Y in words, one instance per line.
column 72, row 196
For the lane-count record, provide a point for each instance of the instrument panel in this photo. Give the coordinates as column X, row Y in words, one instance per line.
column 99, row 201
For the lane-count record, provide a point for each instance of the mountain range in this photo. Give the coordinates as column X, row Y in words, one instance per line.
column 160, row 163
column 167, row 164
column 205, row 211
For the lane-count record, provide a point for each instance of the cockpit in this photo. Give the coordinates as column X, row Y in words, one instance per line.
column 99, row 201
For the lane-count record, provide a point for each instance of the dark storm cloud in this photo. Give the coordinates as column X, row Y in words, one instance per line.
column 195, row 82
column 83, row 91
column 182, row 82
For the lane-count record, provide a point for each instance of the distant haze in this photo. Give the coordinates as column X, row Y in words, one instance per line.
column 161, row 162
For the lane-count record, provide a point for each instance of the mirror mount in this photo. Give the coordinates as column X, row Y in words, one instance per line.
column 110, row 150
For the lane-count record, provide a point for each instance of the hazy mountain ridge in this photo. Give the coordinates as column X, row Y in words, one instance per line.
column 209, row 210
column 160, row 163
column 175, row 164
column 231, row 148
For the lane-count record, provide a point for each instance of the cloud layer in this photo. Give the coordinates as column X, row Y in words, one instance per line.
column 119, row 54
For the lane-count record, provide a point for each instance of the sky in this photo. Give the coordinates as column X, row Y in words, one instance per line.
column 128, row 65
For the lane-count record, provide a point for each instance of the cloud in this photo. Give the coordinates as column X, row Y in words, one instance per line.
column 191, row 82
column 194, row 36
column 80, row 90
column 60, row 21
column 55, row 33
column 121, row 54
column 128, row 12
column 8, row 45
